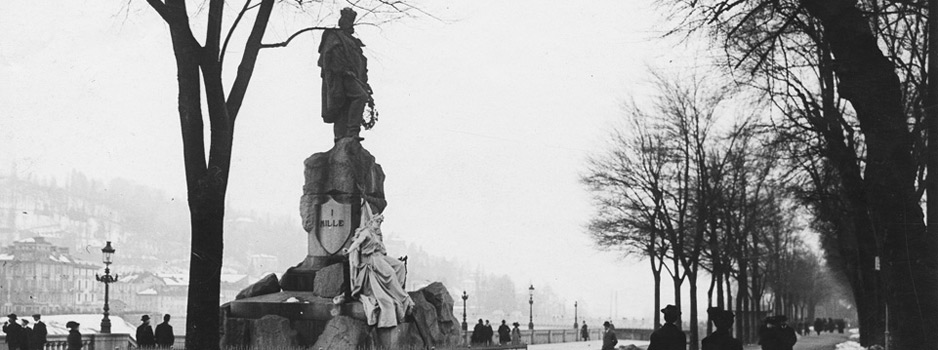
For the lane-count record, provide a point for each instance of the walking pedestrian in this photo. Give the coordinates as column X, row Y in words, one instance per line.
column 669, row 336
column 488, row 333
column 584, row 332
column 478, row 334
column 818, row 325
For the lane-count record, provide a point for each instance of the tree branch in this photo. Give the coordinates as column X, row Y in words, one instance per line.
column 287, row 42
column 160, row 8
column 249, row 59
column 224, row 47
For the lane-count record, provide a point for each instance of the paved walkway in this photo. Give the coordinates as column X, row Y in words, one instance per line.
column 826, row 341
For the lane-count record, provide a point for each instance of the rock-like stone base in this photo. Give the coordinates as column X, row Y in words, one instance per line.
column 290, row 319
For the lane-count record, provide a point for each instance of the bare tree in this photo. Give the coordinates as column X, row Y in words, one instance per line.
column 874, row 50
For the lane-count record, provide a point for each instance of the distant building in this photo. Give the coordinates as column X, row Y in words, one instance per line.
column 38, row 277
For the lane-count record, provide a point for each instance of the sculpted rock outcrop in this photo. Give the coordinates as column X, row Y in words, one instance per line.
column 266, row 285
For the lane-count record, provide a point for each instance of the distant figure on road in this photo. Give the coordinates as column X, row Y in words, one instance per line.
column 776, row 335
column 807, row 327
column 504, row 334
column 830, row 325
column 609, row 336
column 841, row 324
column 515, row 334
column 584, row 332
column 38, row 341
column 478, row 334
column 14, row 332
column 164, row 334
column 721, row 339
column 74, row 337
column 669, row 336
column 818, row 325
column 145, row 338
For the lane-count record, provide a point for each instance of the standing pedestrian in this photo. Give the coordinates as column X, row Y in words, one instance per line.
column 27, row 334
column 478, row 334
column 669, row 336
column 504, row 334
column 14, row 332
column 74, row 337
column 584, row 332
column 38, row 342
column 721, row 339
column 145, row 338
column 818, row 325
column 609, row 336
column 164, row 334
column 489, row 333
column 515, row 334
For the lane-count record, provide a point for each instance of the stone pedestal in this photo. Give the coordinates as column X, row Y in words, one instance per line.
column 337, row 183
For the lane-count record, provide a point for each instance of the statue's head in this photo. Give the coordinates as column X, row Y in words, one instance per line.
column 347, row 19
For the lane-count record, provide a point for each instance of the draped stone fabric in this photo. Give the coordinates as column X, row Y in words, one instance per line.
column 377, row 279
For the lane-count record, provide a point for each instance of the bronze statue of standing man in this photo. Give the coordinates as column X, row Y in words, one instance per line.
column 345, row 89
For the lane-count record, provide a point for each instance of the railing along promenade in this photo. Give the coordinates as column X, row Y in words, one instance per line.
column 116, row 341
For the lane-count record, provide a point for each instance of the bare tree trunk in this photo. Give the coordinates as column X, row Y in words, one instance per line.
column 694, row 336
column 868, row 80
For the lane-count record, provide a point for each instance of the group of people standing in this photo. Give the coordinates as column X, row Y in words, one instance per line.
column 482, row 334
column 22, row 336
column 162, row 339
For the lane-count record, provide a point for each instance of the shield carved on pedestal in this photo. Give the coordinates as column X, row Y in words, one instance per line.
column 334, row 227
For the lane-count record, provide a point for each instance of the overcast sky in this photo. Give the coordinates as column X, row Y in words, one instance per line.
column 487, row 116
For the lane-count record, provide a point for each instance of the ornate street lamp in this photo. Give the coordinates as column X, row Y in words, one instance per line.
column 107, row 279
column 575, row 324
column 531, row 309
column 465, row 326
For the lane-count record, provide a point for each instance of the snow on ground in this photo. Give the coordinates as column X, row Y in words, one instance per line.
column 850, row 345
column 586, row 345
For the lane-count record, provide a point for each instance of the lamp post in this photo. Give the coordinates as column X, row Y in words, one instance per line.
column 465, row 326
column 107, row 279
column 575, row 324
column 531, row 308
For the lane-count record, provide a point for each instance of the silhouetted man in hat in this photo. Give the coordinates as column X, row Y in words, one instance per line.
column 776, row 335
column 669, row 336
column 40, row 332
column 14, row 332
column 145, row 338
column 721, row 339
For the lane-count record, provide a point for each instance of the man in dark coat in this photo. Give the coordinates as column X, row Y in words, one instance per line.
column 488, row 333
column 478, row 334
column 504, row 333
column 776, row 335
column 164, row 334
column 609, row 336
column 14, row 332
column 145, row 338
column 669, row 336
column 818, row 325
column 345, row 89
column 38, row 342
column 584, row 332
column 721, row 339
